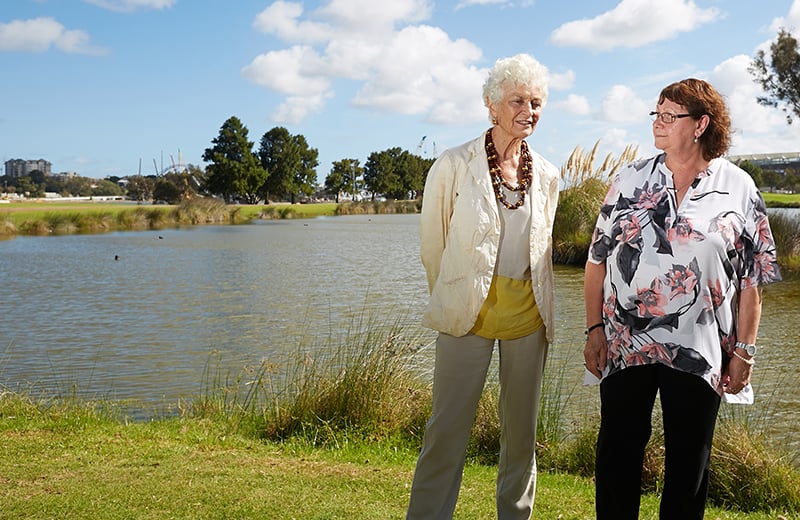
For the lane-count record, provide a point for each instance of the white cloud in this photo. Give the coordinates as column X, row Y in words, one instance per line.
column 299, row 72
column 614, row 140
column 282, row 19
column 40, row 34
column 756, row 128
column 366, row 16
column 790, row 22
column 297, row 108
column 633, row 23
column 468, row 3
column 127, row 6
column 622, row 105
column 574, row 104
column 563, row 81
column 414, row 71
column 405, row 67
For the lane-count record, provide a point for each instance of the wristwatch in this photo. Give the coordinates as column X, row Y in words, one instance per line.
column 750, row 348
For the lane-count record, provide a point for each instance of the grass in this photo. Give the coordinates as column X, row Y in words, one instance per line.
column 782, row 200
column 72, row 461
column 329, row 432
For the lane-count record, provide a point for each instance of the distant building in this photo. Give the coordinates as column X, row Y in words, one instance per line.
column 23, row 168
column 776, row 162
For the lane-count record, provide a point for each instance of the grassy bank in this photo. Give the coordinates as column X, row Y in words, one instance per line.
column 71, row 462
column 334, row 435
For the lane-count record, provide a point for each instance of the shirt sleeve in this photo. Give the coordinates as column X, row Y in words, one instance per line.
column 600, row 245
column 437, row 208
column 760, row 257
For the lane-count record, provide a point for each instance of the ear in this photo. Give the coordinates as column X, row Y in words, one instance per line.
column 701, row 125
column 490, row 106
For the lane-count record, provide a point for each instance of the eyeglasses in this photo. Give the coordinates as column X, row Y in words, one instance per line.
column 666, row 117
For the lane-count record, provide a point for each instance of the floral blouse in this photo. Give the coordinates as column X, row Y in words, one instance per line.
column 673, row 273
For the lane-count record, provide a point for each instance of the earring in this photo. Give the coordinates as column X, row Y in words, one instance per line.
column 695, row 140
column 494, row 121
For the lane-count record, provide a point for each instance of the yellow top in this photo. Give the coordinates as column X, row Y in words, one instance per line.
column 509, row 312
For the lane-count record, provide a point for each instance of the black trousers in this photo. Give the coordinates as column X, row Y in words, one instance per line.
column 689, row 408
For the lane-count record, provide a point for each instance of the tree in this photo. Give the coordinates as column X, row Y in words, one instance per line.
column 106, row 188
column 779, row 76
column 140, row 188
column 754, row 170
column 380, row 173
column 396, row 173
column 78, row 186
column 291, row 164
column 234, row 171
column 771, row 179
column 344, row 178
column 167, row 190
column 413, row 170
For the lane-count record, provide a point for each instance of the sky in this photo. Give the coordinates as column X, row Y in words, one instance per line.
column 119, row 87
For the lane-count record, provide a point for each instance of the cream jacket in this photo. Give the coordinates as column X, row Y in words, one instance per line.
column 460, row 236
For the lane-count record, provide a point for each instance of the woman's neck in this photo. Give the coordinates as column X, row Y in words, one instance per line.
column 686, row 166
column 508, row 147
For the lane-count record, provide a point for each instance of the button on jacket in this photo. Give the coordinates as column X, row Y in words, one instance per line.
column 460, row 236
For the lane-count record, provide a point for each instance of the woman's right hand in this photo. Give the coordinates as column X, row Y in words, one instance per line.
column 595, row 353
column 596, row 350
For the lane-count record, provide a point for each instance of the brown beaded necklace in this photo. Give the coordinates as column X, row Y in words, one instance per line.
column 496, row 174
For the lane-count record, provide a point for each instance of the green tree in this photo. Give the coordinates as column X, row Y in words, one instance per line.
column 106, row 188
column 380, row 172
column 167, row 190
column 234, row 171
column 37, row 177
column 395, row 173
column 344, row 178
column 779, row 76
column 140, row 188
column 78, row 186
column 754, row 170
column 771, row 179
column 413, row 170
column 30, row 188
column 291, row 164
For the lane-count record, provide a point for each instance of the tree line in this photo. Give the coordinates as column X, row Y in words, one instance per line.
column 283, row 168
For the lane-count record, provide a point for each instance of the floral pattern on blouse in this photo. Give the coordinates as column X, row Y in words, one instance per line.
column 673, row 273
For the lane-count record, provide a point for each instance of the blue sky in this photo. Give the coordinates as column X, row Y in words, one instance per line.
column 98, row 86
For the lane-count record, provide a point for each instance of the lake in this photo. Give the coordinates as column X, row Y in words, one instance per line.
column 138, row 316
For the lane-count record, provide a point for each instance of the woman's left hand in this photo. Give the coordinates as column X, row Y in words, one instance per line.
column 736, row 375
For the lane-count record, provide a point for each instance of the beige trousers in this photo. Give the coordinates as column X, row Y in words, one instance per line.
column 459, row 376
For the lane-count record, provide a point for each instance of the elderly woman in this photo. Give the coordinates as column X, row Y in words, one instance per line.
column 673, row 283
column 487, row 218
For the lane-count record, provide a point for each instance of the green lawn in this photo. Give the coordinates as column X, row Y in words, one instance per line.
column 782, row 199
column 70, row 462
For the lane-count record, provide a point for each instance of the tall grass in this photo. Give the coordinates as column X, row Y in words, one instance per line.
column 366, row 386
column 786, row 231
column 579, row 201
column 370, row 207
column 580, row 165
column 121, row 218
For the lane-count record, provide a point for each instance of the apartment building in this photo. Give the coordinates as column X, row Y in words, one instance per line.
column 23, row 168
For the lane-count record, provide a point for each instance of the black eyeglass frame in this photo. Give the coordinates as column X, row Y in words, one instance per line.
column 667, row 117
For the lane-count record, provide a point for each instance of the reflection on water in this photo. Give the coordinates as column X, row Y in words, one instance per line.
column 143, row 326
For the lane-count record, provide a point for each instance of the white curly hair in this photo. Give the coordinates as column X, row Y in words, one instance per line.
column 522, row 69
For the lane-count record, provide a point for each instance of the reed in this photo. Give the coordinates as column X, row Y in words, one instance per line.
column 120, row 218
column 786, row 231
column 580, row 199
column 369, row 207
column 366, row 386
